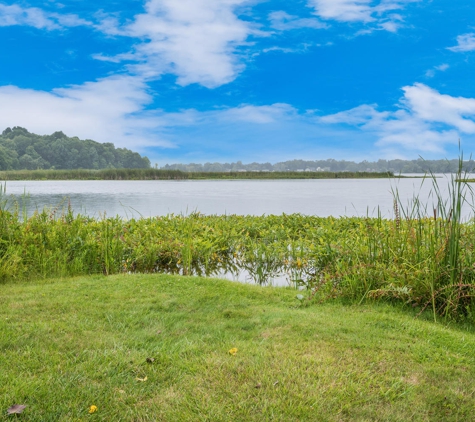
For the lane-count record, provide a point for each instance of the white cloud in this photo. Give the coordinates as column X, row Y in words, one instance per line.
column 465, row 42
column 344, row 10
column 425, row 121
column 245, row 113
column 109, row 110
column 431, row 106
column 259, row 114
column 197, row 40
column 200, row 41
column 37, row 18
column 115, row 109
column 282, row 21
column 441, row 68
column 362, row 11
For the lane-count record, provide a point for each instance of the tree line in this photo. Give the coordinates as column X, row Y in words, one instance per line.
column 381, row 166
column 22, row 150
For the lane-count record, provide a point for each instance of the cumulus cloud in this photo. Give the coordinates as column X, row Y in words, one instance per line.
column 465, row 42
column 116, row 109
column 32, row 16
column 108, row 110
column 197, row 40
column 431, row 106
column 425, row 121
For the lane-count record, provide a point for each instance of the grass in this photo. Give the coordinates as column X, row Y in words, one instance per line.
column 163, row 174
column 68, row 344
column 421, row 261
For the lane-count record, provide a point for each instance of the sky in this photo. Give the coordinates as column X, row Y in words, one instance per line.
column 184, row 81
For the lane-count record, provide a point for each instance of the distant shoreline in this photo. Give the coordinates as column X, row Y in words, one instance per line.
column 160, row 174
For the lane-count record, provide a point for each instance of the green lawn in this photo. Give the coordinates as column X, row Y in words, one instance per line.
column 156, row 348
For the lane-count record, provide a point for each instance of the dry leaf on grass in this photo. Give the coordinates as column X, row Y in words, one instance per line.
column 16, row 409
column 142, row 379
column 233, row 351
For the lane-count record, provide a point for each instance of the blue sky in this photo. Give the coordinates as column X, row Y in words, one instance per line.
column 250, row 80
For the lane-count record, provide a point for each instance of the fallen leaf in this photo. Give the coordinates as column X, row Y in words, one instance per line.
column 142, row 379
column 233, row 351
column 16, row 409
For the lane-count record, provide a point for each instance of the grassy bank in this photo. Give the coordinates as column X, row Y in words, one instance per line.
column 422, row 262
column 158, row 174
column 156, row 348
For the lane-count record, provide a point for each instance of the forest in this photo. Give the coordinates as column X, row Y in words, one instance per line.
column 395, row 166
column 22, row 150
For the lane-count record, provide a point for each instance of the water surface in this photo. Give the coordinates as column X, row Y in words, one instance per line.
column 335, row 197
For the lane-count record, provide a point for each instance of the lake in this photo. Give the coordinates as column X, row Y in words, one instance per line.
column 325, row 197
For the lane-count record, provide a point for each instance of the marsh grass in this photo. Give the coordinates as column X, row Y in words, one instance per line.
column 164, row 174
column 439, row 244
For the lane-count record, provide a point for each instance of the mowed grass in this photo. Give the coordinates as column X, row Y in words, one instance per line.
column 156, row 348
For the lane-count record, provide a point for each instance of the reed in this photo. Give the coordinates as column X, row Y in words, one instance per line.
column 167, row 174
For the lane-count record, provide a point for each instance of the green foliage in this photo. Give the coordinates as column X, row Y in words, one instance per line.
column 409, row 260
column 332, row 166
column 20, row 149
column 286, row 175
column 427, row 262
column 81, row 174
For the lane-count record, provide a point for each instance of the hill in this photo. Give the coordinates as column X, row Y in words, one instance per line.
column 22, row 150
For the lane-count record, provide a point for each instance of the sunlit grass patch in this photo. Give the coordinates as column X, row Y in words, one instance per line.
column 157, row 347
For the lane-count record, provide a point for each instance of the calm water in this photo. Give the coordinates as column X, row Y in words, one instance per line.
column 351, row 197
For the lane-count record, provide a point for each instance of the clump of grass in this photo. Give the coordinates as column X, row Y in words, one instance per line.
column 423, row 260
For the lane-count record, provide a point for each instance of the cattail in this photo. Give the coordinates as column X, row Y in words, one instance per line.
column 397, row 215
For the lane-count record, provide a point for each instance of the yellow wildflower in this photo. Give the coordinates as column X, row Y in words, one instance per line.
column 233, row 351
column 92, row 409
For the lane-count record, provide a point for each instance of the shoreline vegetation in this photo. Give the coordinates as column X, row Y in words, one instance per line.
column 422, row 257
column 160, row 174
